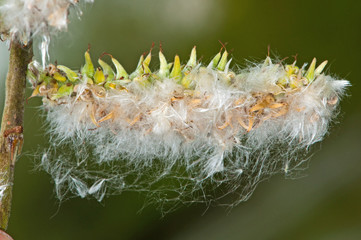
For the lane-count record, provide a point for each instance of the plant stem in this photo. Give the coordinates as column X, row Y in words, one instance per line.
column 11, row 133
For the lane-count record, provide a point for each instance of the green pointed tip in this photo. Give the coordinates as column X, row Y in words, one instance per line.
column 227, row 65
column 99, row 77
column 267, row 62
column 148, row 58
column 192, row 62
column 139, row 70
column 163, row 69
column 214, row 61
column 70, row 74
column 107, row 69
column 121, row 73
column 88, row 68
column 140, row 62
column 320, row 68
column 176, row 71
column 222, row 63
column 146, row 69
column 310, row 74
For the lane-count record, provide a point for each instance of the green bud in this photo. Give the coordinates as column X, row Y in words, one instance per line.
column 214, row 61
column 70, row 74
column 139, row 70
column 121, row 73
column 187, row 81
column 146, row 69
column 176, row 71
column 310, row 74
column 163, row 69
column 88, row 68
column 58, row 77
column 45, row 78
column 148, row 58
column 99, row 77
column 320, row 68
column 222, row 63
column 107, row 69
column 192, row 62
column 267, row 62
column 63, row 91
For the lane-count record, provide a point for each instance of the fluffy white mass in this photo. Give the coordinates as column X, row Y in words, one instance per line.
column 200, row 134
column 26, row 18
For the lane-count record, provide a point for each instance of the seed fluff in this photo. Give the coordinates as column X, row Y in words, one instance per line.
column 26, row 19
column 184, row 133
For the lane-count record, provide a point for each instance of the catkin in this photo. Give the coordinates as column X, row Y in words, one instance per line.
column 183, row 131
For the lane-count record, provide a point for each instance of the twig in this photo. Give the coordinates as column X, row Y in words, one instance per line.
column 11, row 134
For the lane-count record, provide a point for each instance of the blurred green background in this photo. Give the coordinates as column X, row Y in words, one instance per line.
column 325, row 204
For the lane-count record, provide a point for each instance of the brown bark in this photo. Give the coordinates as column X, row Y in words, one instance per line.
column 11, row 133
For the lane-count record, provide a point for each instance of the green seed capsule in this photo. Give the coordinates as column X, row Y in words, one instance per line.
column 107, row 69
column 58, row 77
column 267, row 62
column 214, row 61
column 176, row 71
column 164, row 68
column 88, row 68
column 99, row 77
column 310, row 74
column 222, row 63
column 63, row 91
column 70, row 74
column 320, row 68
column 187, row 81
column 146, row 69
column 44, row 77
column 121, row 73
column 146, row 62
column 139, row 69
column 192, row 62
column 148, row 58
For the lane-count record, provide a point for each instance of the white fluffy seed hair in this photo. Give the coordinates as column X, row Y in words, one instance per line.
column 187, row 146
column 27, row 18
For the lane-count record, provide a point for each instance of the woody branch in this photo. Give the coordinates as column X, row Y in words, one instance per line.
column 11, row 134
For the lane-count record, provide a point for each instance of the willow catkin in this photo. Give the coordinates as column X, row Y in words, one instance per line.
column 183, row 131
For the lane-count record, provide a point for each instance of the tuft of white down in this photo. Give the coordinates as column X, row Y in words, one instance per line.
column 27, row 18
column 180, row 144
